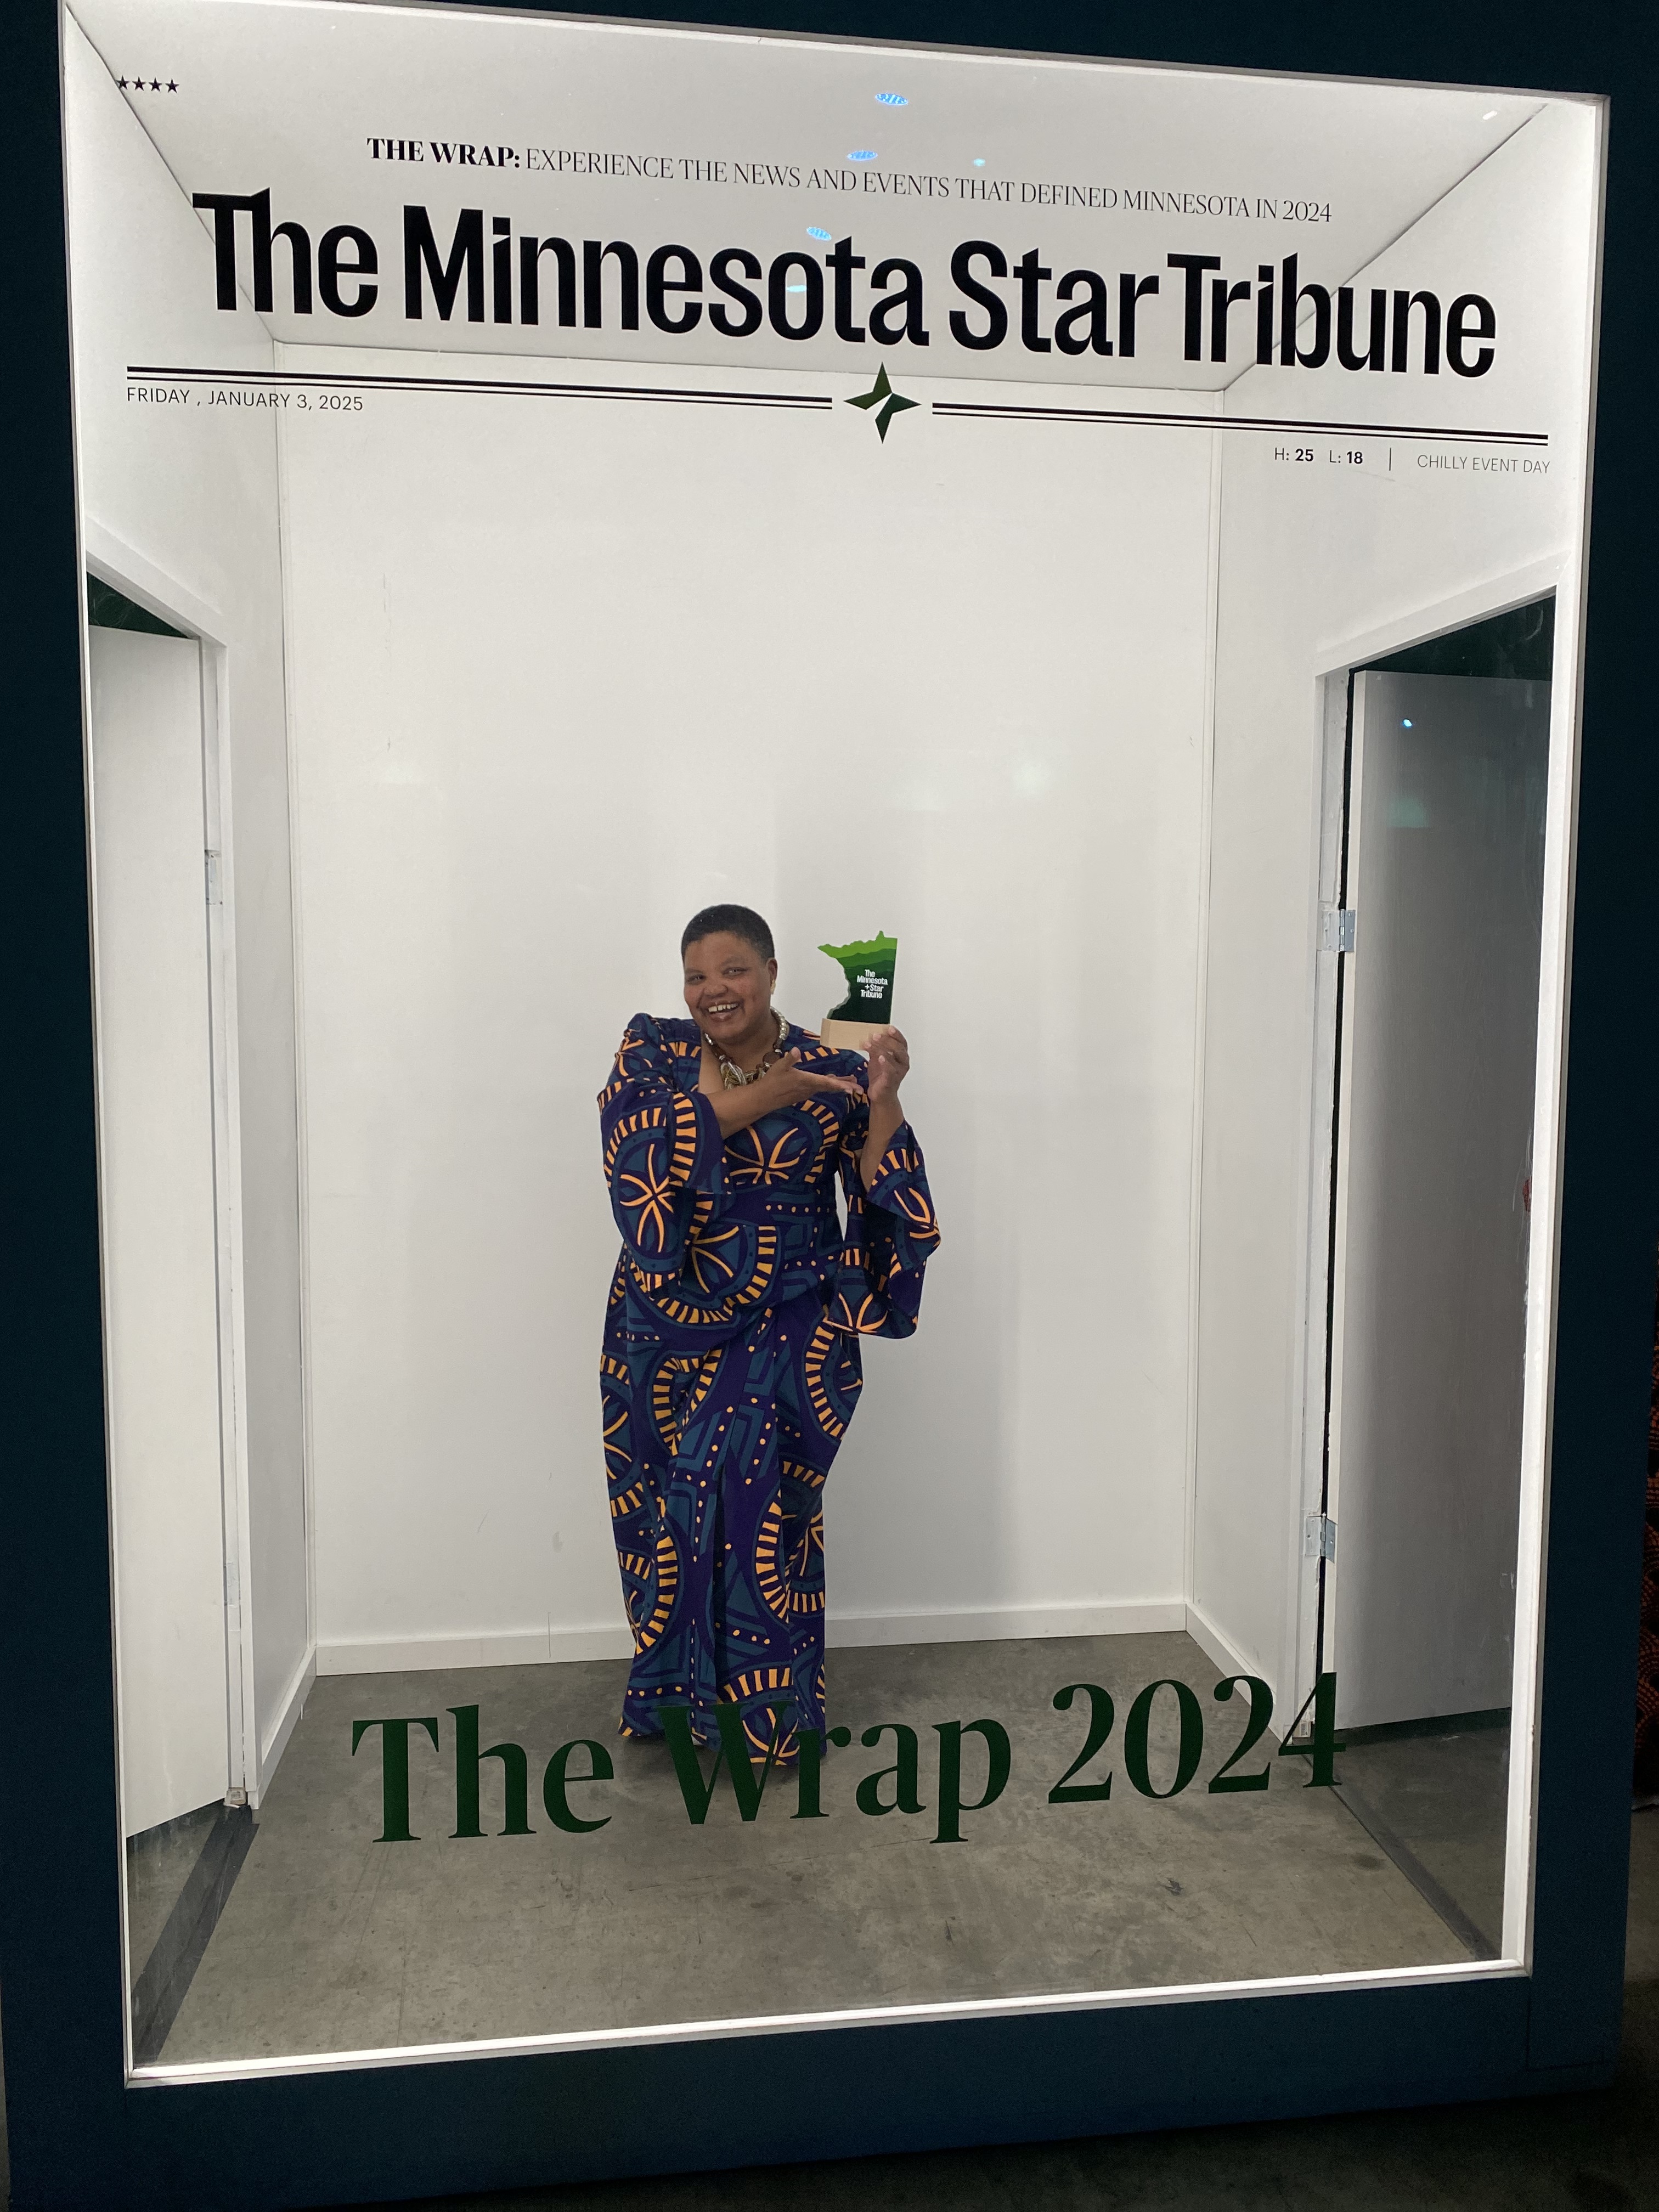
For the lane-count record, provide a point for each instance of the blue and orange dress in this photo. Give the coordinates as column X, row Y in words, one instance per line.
column 731, row 1368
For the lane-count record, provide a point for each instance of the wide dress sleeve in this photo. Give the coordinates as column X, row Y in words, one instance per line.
column 891, row 1233
column 661, row 1141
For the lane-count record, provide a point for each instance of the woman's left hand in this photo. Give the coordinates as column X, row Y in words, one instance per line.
column 889, row 1058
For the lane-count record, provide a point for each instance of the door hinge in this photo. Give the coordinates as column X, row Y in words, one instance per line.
column 215, row 896
column 1318, row 1536
column 1339, row 925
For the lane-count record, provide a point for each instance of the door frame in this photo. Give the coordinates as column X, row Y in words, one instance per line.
column 114, row 563
column 1316, row 1589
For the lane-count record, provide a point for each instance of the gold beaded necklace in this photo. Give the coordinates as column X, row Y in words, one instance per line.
column 732, row 1076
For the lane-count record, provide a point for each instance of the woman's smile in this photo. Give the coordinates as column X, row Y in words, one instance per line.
column 728, row 994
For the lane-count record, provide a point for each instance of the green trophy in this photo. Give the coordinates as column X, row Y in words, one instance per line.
column 868, row 967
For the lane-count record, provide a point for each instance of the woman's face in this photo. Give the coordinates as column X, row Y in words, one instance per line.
column 728, row 988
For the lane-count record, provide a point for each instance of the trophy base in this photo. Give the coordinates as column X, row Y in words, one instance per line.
column 849, row 1036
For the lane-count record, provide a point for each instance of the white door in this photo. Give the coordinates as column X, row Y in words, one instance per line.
column 1446, row 826
column 160, row 1281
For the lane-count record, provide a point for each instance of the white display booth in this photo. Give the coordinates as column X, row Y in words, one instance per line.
column 507, row 652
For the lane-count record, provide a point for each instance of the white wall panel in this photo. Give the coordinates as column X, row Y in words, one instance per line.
column 564, row 670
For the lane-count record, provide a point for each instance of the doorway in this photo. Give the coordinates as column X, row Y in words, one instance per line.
column 179, row 1677
column 1436, row 930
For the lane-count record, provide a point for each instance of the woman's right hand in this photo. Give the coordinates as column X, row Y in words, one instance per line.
column 787, row 1083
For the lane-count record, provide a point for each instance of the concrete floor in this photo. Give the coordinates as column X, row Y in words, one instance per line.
column 333, row 1941
column 1596, row 2152
column 1445, row 1798
column 159, row 1863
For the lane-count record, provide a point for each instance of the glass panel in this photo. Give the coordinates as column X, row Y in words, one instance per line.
column 1101, row 624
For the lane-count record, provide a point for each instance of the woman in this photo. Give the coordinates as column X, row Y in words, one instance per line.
column 731, row 1361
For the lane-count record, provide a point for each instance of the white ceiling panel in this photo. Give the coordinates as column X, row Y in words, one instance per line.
column 728, row 140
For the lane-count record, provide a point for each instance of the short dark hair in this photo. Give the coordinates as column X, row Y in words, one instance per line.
column 729, row 922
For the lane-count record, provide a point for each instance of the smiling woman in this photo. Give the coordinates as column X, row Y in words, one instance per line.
column 731, row 1365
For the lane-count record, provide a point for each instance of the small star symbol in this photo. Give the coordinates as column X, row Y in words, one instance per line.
column 881, row 394
column 155, row 84
column 172, row 85
column 120, row 84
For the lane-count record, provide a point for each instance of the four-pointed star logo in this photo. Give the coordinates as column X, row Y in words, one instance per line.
column 881, row 394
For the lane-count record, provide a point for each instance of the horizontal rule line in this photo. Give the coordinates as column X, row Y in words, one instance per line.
column 691, row 397
column 989, row 410
column 821, row 404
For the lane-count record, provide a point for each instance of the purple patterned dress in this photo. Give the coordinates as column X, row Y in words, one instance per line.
column 731, row 1368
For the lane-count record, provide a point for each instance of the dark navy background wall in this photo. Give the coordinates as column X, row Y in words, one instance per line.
column 78, row 2137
